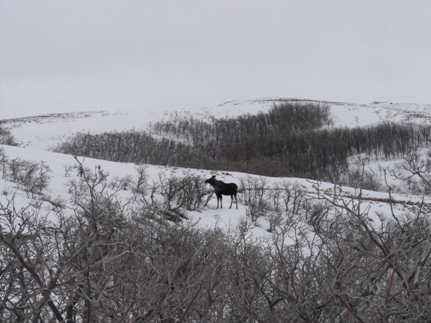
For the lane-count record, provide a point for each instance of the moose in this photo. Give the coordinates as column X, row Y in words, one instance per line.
column 222, row 188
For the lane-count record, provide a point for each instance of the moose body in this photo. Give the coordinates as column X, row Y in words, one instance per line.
column 222, row 188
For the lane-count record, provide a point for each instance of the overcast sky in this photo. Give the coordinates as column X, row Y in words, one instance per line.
column 69, row 55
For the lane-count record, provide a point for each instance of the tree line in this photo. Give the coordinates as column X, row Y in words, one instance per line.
column 291, row 139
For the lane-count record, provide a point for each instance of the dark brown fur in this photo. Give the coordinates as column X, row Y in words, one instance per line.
column 222, row 188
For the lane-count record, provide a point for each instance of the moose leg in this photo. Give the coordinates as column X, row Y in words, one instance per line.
column 231, row 201
column 219, row 198
column 236, row 201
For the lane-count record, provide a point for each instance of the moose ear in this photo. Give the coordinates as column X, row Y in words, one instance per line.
column 213, row 176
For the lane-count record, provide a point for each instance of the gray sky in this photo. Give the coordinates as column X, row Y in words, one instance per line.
column 59, row 56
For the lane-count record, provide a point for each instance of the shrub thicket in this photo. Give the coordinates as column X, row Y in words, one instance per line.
column 291, row 139
column 100, row 259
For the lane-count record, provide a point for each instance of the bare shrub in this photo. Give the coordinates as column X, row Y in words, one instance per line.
column 256, row 196
column 361, row 177
column 31, row 177
column 97, row 261
column 179, row 195
column 3, row 161
column 6, row 137
column 293, row 195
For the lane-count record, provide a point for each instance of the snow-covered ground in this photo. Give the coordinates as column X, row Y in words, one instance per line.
column 37, row 135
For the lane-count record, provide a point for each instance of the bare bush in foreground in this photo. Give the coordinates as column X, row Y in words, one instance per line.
column 329, row 259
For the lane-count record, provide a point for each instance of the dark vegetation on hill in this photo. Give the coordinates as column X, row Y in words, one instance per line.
column 291, row 139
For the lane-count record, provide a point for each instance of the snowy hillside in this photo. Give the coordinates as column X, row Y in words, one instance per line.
column 338, row 236
column 210, row 217
column 36, row 135
column 42, row 132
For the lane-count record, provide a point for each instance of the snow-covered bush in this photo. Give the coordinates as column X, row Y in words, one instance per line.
column 31, row 177
column 6, row 137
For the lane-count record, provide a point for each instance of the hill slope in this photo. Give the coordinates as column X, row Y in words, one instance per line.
column 42, row 132
column 130, row 235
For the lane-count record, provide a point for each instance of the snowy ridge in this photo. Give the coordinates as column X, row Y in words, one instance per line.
column 43, row 132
